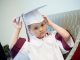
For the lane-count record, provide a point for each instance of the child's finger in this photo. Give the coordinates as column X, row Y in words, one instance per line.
column 19, row 20
column 14, row 20
column 45, row 17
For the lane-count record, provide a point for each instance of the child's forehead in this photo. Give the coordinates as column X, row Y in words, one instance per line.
column 36, row 24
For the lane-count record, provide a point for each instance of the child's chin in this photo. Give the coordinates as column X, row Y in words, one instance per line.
column 40, row 37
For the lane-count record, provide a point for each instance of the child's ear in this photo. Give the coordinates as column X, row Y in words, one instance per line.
column 30, row 30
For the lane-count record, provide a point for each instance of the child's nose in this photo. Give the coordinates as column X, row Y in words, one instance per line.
column 41, row 29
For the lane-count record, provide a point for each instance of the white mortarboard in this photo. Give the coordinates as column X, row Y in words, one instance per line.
column 33, row 16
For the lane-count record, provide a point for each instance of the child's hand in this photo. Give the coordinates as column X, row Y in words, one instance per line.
column 17, row 24
column 49, row 22
column 59, row 29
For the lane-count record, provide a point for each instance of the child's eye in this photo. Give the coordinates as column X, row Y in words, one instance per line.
column 35, row 28
column 42, row 24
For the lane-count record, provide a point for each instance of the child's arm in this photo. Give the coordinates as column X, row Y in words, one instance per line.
column 18, row 26
column 59, row 29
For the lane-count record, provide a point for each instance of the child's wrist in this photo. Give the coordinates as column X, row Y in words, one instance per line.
column 50, row 23
column 18, row 29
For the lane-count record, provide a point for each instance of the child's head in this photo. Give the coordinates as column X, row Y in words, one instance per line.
column 38, row 29
column 35, row 22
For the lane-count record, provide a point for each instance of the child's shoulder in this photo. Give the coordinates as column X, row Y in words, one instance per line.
column 52, row 32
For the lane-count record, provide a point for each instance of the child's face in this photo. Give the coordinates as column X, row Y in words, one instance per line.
column 39, row 29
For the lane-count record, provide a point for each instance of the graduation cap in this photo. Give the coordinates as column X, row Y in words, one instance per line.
column 34, row 16
column 31, row 17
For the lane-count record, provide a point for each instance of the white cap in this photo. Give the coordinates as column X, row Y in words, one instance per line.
column 33, row 16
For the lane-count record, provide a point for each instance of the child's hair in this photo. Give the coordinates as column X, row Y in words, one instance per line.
column 29, row 26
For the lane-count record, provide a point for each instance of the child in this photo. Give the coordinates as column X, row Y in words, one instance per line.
column 40, row 45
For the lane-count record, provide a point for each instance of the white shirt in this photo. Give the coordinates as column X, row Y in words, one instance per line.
column 47, row 48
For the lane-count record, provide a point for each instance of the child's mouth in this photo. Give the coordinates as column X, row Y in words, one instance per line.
column 41, row 35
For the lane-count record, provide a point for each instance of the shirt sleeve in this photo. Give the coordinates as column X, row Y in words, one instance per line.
column 64, row 46
column 20, row 50
column 16, row 48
